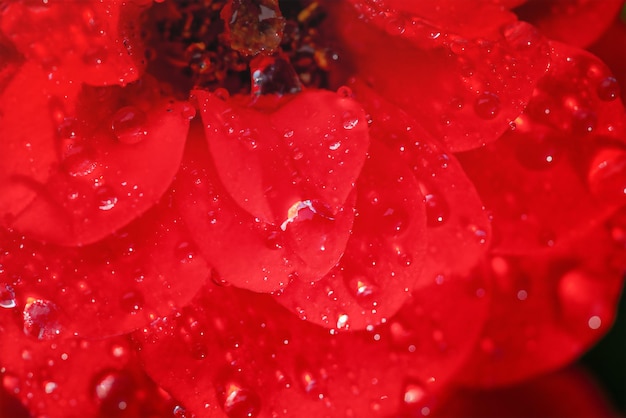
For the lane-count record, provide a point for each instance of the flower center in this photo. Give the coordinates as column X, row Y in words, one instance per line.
column 243, row 46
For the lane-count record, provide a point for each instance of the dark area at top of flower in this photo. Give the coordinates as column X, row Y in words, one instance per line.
column 334, row 208
column 218, row 43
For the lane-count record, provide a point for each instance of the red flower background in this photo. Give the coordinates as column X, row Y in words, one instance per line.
column 355, row 208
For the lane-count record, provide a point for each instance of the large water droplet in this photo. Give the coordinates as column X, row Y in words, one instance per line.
column 238, row 401
column 394, row 221
column 106, row 199
column 608, row 89
column 7, row 296
column 581, row 301
column 132, row 302
column 41, row 319
column 487, row 105
column 607, row 174
column 129, row 125
column 437, row 209
column 414, row 393
column 350, row 120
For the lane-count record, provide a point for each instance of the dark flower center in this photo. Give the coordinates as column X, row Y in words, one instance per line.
column 243, row 46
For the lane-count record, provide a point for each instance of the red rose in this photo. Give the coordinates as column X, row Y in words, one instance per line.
column 254, row 208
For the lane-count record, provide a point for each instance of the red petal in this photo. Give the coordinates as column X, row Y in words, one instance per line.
column 383, row 257
column 94, row 42
column 243, row 252
column 562, row 20
column 568, row 393
column 312, row 147
column 75, row 378
column 548, row 309
column 464, row 91
column 241, row 354
column 458, row 226
column 563, row 167
column 96, row 170
column 27, row 150
column 611, row 49
column 110, row 287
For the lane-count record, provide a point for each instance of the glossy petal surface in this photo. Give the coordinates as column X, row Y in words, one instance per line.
column 92, row 42
column 383, row 257
column 111, row 287
column 463, row 90
column 96, row 171
column 241, row 354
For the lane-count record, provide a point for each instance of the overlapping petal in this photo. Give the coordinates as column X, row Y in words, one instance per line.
column 464, row 90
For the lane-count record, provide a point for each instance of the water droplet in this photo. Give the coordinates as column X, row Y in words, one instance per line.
column 394, row 221
column 608, row 89
column 113, row 390
column 521, row 35
column 395, row 25
column 95, row 56
column 132, row 302
column 199, row 351
column 306, row 210
column 7, row 296
column 350, row 120
column 437, row 210
column 274, row 240
column 11, row 383
column 222, row 94
column 343, row 321
column 584, row 121
column 105, row 198
column 238, row 401
column 538, row 153
column 344, row 91
column 249, row 138
column 607, row 174
column 185, row 252
column 487, row 105
column 414, row 393
column 581, row 300
column 41, row 319
column 180, row 412
column 188, row 111
column 129, row 125
column 80, row 164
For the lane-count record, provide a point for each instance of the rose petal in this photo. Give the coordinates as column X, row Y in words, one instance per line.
column 562, row 20
column 110, row 287
column 549, row 308
column 567, row 393
column 458, row 227
column 95, row 42
column 464, row 91
column 74, row 378
column 242, row 354
column 383, row 257
column 100, row 166
column 562, row 169
column 311, row 147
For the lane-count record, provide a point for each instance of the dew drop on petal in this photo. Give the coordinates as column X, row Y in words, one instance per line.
column 41, row 319
column 607, row 174
column 350, row 120
column 344, row 91
column 608, row 89
column 105, row 198
column 7, row 296
column 129, row 125
column 580, row 303
column 238, row 401
column 413, row 394
column 487, row 105
column 132, row 302
column 185, row 252
column 394, row 221
column 437, row 210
